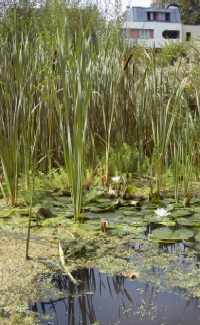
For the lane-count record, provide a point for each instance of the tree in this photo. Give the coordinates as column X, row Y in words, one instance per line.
column 46, row 17
column 190, row 9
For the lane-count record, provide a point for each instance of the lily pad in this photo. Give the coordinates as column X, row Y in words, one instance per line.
column 63, row 213
column 178, row 213
column 101, row 210
column 16, row 222
column 107, row 204
column 167, row 222
column 103, row 200
column 152, row 218
column 126, row 229
column 130, row 213
column 61, row 200
column 170, row 236
column 130, row 203
column 197, row 237
column 93, row 196
column 136, row 222
column 193, row 221
column 85, row 229
column 56, row 221
column 168, row 201
column 5, row 213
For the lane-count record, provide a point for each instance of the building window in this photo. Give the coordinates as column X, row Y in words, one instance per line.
column 141, row 33
column 188, row 36
column 171, row 34
column 158, row 16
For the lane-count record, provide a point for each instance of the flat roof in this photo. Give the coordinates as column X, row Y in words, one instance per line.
column 139, row 14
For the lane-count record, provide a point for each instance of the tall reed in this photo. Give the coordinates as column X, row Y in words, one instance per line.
column 73, row 103
column 64, row 90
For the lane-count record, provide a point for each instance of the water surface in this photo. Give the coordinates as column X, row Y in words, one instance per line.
column 111, row 300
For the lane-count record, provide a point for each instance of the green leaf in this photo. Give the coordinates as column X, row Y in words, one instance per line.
column 169, row 235
column 193, row 221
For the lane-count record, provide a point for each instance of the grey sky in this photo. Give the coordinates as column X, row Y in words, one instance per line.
column 142, row 3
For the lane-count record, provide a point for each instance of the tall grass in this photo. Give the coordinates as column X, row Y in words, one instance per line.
column 65, row 99
column 75, row 69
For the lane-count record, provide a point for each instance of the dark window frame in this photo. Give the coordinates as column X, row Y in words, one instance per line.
column 171, row 34
column 155, row 15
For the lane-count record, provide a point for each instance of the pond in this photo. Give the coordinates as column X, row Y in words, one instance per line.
column 110, row 300
column 160, row 251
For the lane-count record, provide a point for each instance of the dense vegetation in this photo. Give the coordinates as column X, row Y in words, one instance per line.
column 73, row 96
column 190, row 9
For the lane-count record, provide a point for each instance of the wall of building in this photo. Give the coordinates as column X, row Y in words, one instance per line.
column 158, row 40
column 194, row 30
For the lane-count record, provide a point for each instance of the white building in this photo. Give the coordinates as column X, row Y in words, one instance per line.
column 156, row 27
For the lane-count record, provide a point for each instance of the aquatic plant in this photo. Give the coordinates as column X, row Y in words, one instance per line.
column 67, row 100
column 10, row 121
column 161, row 212
column 73, row 112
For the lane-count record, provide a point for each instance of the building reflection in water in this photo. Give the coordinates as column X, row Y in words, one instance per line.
column 105, row 300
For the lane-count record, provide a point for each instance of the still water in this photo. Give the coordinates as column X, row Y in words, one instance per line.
column 111, row 300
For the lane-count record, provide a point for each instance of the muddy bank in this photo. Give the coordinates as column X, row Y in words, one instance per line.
column 22, row 280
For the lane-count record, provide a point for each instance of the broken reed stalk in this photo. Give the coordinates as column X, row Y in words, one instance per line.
column 62, row 260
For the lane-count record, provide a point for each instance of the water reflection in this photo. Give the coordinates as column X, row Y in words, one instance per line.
column 106, row 300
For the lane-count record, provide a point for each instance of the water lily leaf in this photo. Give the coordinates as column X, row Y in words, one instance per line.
column 136, row 222
column 169, row 235
column 5, row 213
column 101, row 210
column 152, row 218
column 169, row 207
column 22, row 211
column 56, row 221
column 93, row 196
column 58, row 203
column 85, row 229
column 130, row 203
column 168, row 200
column 197, row 237
column 102, row 200
column 107, row 204
column 93, row 217
column 132, row 213
column 63, row 213
column 167, row 222
column 69, row 214
column 179, row 213
column 195, row 200
column 95, row 222
column 193, row 221
column 126, row 229
column 16, row 221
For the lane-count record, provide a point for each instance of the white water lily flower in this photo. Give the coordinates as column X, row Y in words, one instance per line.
column 161, row 212
column 116, row 179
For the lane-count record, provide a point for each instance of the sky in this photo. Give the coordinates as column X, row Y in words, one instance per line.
column 139, row 3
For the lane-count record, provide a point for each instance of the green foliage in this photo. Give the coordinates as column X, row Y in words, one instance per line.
column 173, row 52
column 73, row 114
column 190, row 9
column 67, row 97
column 123, row 159
column 168, row 235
